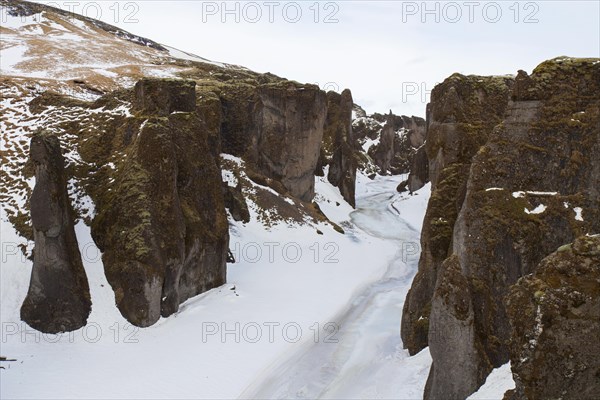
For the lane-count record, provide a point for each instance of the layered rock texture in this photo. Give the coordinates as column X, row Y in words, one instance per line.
column 419, row 170
column 163, row 228
column 58, row 299
column 149, row 160
column 555, row 318
column 339, row 147
column 461, row 116
column 277, row 127
column 383, row 153
column 390, row 141
column 530, row 189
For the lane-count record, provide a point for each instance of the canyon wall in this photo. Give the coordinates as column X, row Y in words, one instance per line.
column 530, row 189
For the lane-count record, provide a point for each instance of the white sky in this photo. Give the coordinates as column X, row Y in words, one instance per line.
column 381, row 50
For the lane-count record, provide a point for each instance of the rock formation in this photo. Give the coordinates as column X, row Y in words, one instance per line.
column 164, row 98
column 383, row 153
column 461, row 116
column 417, row 130
column 162, row 228
column 555, row 318
column 236, row 203
column 338, row 146
column 419, row 170
column 58, row 299
column 415, row 127
column 531, row 188
column 277, row 127
column 396, row 138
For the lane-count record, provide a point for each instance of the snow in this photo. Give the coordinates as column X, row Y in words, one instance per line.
column 411, row 207
column 15, row 271
column 366, row 360
column 233, row 158
column 10, row 57
column 182, row 55
column 54, row 46
column 288, row 285
column 519, row 194
column 19, row 22
column 538, row 210
column 497, row 383
column 578, row 213
column 370, row 143
column 493, row 189
column 229, row 177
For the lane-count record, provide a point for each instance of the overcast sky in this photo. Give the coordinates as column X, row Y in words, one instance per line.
column 389, row 53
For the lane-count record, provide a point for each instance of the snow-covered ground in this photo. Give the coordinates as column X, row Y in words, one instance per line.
column 365, row 359
column 302, row 315
column 497, row 383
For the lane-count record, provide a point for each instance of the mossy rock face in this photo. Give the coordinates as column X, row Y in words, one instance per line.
column 338, row 147
column 289, row 124
column 210, row 110
column 451, row 335
column 162, row 224
column 384, row 152
column 539, row 165
column 236, row 203
column 555, row 329
column 276, row 126
column 58, row 299
column 419, row 170
column 462, row 113
column 266, row 199
column 397, row 138
column 164, row 96
column 461, row 117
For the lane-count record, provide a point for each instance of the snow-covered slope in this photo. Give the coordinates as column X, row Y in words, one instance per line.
column 58, row 47
column 497, row 383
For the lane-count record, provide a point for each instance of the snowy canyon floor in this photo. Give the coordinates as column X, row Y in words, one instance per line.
column 302, row 315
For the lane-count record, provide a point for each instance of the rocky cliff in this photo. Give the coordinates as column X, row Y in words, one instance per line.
column 162, row 228
column 58, row 299
column 461, row 116
column 419, row 170
column 285, row 131
column 555, row 318
column 148, row 158
column 275, row 125
column 389, row 141
column 339, row 147
column 530, row 189
column 384, row 151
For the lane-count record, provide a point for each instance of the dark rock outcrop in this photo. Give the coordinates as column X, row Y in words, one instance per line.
column 398, row 138
column 338, row 146
column 419, row 170
column 384, row 152
column 461, row 116
column 164, row 96
column 555, row 318
column 531, row 188
column 277, row 127
column 415, row 127
column 163, row 228
column 58, row 299
column 236, row 203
